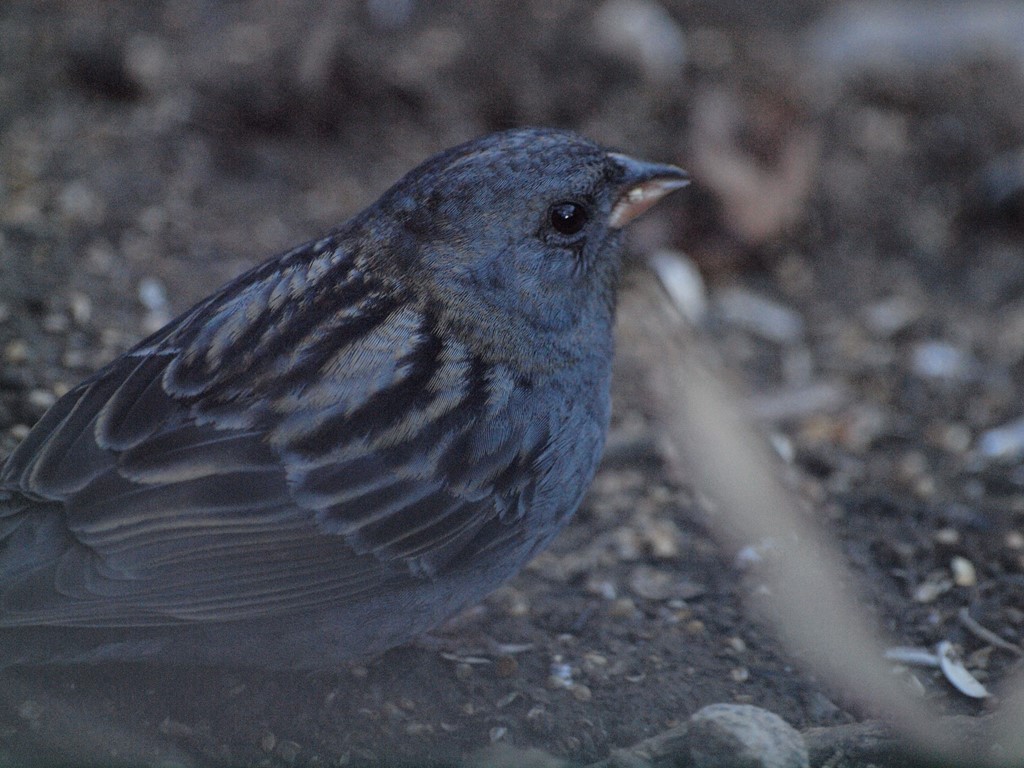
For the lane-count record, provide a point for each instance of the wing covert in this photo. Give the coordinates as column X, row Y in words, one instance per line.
column 260, row 457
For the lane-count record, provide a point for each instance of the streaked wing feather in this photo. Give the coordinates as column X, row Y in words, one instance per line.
column 180, row 490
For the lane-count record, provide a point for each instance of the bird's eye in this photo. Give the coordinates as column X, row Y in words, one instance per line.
column 568, row 218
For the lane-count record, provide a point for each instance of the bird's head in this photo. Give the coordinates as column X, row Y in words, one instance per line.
column 520, row 231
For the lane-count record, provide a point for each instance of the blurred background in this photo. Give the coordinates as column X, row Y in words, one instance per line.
column 851, row 252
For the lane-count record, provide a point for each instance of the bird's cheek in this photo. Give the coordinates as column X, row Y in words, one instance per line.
column 548, row 296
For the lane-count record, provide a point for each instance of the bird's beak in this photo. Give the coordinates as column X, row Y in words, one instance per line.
column 643, row 185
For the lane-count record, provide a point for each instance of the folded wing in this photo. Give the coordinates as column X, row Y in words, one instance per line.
column 303, row 438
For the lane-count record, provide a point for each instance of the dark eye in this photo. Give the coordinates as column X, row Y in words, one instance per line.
column 568, row 218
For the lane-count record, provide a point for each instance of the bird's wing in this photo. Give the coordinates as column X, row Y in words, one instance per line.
column 302, row 438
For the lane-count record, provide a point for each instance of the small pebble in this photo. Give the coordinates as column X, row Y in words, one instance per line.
column 41, row 398
column 16, row 352
column 947, row 536
column 663, row 538
column 152, row 219
column 888, row 317
column 1005, row 442
column 507, row 699
column 592, row 659
column 929, row 590
column 81, row 308
column 651, row 584
column 642, row 31
column 560, row 675
column 955, row 438
column 682, row 281
column 940, row 360
column 153, row 296
column 581, row 692
column 601, row 588
column 77, row 358
column 623, row 608
column 760, row 315
column 964, row 574
column 627, row 544
column 77, row 202
column 516, row 604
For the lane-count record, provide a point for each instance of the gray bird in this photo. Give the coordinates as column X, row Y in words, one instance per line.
column 348, row 443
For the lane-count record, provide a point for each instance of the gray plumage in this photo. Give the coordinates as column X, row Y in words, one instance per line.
column 345, row 445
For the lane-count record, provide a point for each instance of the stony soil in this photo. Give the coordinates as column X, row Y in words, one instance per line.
column 858, row 219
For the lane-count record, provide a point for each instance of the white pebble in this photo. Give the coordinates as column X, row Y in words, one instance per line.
column 964, row 573
column 642, row 31
column 560, row 675
column 940, row 360
column 889, row 316
column 682, row 281
column 81, row 308
column 152, row 294
column 41, row 398
column 1004, row 442
column 759, row 315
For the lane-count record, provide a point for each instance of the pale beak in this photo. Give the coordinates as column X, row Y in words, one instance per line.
column 643, row 185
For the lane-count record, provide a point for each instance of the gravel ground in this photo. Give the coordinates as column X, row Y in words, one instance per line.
column 857, row 217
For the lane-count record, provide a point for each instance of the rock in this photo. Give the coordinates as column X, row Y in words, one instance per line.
column 760, row 315
column 743, row 736
column 1005, row 442
column 682, row 281
column 941, row 360
column 643, row 32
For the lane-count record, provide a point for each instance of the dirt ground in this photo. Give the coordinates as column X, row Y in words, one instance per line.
column 857, row 215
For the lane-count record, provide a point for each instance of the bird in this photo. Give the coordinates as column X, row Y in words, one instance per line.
column 345, row 445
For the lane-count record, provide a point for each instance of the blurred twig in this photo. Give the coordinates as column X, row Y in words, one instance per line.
column 708, row 443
